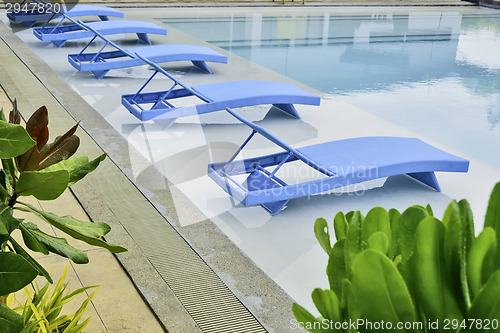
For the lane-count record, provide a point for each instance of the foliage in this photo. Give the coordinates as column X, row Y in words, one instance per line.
column 42, row 311
column 409, row 269
column 30, row 166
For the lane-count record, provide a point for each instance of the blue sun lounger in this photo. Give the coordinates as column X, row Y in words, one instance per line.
column 59, row 34
column 342, row 163
column 32, row 15
column 100, row 63
column 215, row 97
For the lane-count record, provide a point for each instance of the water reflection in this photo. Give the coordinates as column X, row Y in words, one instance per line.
column 424, row 70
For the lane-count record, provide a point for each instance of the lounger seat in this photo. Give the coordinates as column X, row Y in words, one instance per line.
column 219, row 96
column 101, row 63
column 214, row 97
column 60, row 34
column 29, row 18
column 343, row 162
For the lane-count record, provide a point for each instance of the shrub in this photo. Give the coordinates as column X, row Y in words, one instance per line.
column 30, row 166
column 409, row 272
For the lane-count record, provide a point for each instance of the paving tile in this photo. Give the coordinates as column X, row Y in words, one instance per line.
column 120, row 306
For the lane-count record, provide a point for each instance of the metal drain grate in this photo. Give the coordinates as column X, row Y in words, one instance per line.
column 214, row 308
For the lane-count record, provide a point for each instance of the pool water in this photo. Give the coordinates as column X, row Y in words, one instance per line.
column 435, row 73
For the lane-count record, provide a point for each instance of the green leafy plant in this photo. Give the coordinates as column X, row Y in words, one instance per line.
column 30, row 166
column 42, row 312
column 409, row 272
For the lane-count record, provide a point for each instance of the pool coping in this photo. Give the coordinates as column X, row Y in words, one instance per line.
column 98, row 194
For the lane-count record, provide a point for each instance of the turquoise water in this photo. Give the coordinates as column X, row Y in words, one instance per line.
column 434, row 73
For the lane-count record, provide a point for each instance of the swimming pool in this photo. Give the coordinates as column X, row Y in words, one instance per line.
column 282, row 246
column 436, row 73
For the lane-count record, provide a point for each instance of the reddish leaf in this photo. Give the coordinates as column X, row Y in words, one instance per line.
column 38, row 118
column 29, row 161
column 49, row 149
column 14, row 115
column 64, row 150
column 41, row 135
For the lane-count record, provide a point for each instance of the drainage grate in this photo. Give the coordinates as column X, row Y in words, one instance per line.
column 214, row 308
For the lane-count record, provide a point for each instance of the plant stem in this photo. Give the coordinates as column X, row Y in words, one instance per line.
column 12, row 200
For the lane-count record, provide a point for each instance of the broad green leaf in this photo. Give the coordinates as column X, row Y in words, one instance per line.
column 83, row 170
column 340, row 226
column 394, row 216
column 31, row 241
column 10, row 173
column 60, row 246
column 377, row 219
column 429, row 210
column 336, row 269
column 78, row 167
column 454, row 250
column 43, row 185
column 354, row 240
column 10, row 321
column 19, row 250
column 327, row 304
column 481, row 259
column 15, row 272
column 408, row 223
column 307, row 319
column 378, row 241
column 468, row 236
column 14, row 140
column 349, row 216
column 348, row 303
column 434, row 292
column 492, row 218
column 87, row 232
column 322, row 234
column 8, row 223
column 486, row 305
column 380, row 290
column 4, row 188
column 68, row 223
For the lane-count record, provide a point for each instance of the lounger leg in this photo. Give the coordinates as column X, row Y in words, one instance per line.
column 104, row 18
column 58, row 43
column 201, row 65
column 144, row 38
column 288, row 108
column 428, row 178
column 100, row 74
column 258, row 181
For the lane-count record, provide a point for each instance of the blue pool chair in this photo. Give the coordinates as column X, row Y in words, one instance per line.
column 59, row 34
column 341, row 163
column 30, row 17
column 100, row 63
column 214, row 97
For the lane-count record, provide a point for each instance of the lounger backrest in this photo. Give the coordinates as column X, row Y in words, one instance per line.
column 98, row 34
column 265, row 133
column 161, row 70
